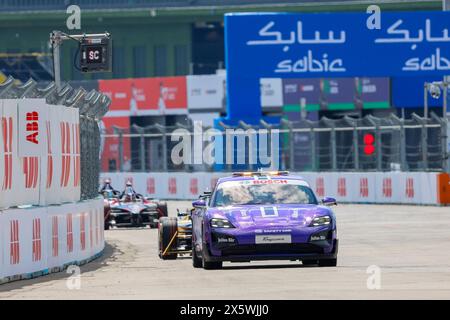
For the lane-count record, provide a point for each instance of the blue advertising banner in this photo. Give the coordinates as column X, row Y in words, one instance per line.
column 329, row 45
column 374, row 93
column 340, row 93
column 407, row 92
column 298, row 91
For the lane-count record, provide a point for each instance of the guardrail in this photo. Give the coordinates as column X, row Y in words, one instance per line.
column 49, row 161
column 49, row 143
column 416, row 144
column 418, row 188
column 42, row 240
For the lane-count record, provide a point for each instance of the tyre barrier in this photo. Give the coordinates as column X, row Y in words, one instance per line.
column 37, row 241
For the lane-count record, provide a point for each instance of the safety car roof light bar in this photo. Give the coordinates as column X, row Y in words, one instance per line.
column 260, row 173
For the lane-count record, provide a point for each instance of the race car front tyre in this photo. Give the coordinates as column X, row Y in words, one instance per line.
column 328, row 263
column 153, row 225
column 167, row 230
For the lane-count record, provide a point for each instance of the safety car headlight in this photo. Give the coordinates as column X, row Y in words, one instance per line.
column 320, row 221
column 221, row 223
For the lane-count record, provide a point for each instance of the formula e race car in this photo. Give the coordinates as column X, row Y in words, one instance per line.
column 175, row 235
column 130, row 209
column 136, row 212
column 263, row 216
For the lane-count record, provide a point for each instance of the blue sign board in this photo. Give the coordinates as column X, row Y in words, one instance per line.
column 284, row 45
column 407, row 92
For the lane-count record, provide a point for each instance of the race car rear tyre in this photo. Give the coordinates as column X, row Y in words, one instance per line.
column 328, row 263
column 167, row 229
column 196, row 261
column 309, row 262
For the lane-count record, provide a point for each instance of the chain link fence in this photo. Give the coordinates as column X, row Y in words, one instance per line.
column 92, row 106
column 347, row 144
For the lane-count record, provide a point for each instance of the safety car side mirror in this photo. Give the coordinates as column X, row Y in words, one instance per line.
column 328, row 201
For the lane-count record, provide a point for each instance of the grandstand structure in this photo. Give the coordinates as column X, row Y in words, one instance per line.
column 25, row 66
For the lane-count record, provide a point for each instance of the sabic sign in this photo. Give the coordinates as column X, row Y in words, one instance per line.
column 328, row 45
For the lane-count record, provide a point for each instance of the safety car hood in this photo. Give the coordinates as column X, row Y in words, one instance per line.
column 283, row 215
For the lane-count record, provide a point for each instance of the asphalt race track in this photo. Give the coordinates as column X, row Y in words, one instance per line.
column 410, row 245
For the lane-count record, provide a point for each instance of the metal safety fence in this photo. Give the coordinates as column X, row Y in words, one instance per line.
column 92, row 106
column 347, row 144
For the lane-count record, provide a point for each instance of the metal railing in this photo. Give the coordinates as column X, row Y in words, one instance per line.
column 92, row 106
column 415, row 144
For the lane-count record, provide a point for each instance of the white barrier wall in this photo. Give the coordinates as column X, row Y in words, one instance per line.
column 357, row 187
column 39, row 153
column 42, row 240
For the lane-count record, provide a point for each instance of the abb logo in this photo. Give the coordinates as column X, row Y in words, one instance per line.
column 151, row 185
column 55, row 235
column 409, row 188
column 49, row 156
column 31, row 171
column 32, row 127
column 69, row 233
column 7, row 129
column 65, row 149
column 83, row 231
column 364, row 187
column 387, row 187
column 36, row 242
column 172, row 185
column 14, row 250
column 342, row 188
column 194, row 186
column 76, row 160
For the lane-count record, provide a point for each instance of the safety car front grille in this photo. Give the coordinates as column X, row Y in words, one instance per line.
column 267, row 249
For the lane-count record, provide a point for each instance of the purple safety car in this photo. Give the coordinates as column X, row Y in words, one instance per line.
column 263, row 216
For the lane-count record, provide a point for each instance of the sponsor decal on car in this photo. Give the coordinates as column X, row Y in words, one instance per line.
column 273, row 231
column 263, row 239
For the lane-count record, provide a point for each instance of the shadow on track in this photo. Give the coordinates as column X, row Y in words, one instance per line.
column 110, row 254
column 269, row 266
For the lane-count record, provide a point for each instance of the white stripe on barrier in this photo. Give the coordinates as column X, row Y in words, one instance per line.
column 39, row 153
column 38, row 240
